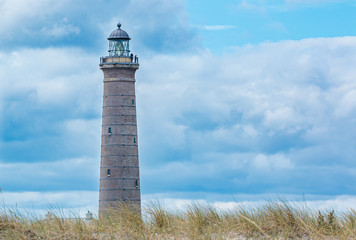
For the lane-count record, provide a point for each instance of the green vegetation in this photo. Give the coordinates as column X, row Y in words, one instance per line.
column 273, row 220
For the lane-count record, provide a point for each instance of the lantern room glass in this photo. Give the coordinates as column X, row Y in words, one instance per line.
column 119, row 47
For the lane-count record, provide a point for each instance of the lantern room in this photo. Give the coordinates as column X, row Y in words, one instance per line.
column 119, row 43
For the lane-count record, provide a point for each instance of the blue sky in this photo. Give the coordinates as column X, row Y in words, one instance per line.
column 235, row 99
column 253, row 22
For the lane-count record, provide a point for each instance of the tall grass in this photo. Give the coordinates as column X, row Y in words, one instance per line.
column 273, row 220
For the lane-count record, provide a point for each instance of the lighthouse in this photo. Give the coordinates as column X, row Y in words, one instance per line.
column 119, row 165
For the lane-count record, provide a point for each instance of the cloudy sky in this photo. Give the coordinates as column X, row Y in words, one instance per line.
column 236, row 99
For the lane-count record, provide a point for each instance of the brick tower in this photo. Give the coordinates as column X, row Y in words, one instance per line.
column 119, row 167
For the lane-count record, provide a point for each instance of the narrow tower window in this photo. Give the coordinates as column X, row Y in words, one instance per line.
column 134, row 140
column 108, row 173
column 136, row 183
column 109, row 130
column 133, row 102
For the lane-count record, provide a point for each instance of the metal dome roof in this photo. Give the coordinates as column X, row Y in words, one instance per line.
column 119, row 34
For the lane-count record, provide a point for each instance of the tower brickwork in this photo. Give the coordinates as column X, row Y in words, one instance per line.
column 119, row 167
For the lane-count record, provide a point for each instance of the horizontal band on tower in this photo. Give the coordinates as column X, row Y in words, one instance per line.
column 113, row 134
column 116, row 115
column 116, row 64
column 123, row 189
column 119, row 79
column 121, row 95
column 120, row 155
column 115, row 144
column 133, row 166
column 111, row 178
column 116, row 124
column 122, row 199
column 119, row 106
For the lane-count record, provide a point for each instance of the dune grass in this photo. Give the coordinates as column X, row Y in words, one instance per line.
column 273, row 220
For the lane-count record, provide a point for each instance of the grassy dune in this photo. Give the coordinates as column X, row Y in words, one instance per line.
column 273, row 220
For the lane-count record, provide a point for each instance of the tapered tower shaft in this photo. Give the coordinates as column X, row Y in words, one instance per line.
column 119, row 168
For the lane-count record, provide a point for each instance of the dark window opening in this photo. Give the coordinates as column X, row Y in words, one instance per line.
column 136, row 183
column 133, row 102
column 134, row 140
column 109, row 130
column 108, row 173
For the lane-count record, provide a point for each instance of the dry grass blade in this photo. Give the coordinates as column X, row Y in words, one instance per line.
column 255, row 224
column 273, row 220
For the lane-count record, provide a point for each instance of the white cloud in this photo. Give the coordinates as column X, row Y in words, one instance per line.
column 53, row 75
column 271, row 162
column 265, row 7
column 17, row 14
column 283, row 119
column 43, row 175
column 283, row 95
column 252, row 6
column 277, row 26
column 69, row 203
column 275, row 105
column 61, row 29
column 250, row 130
column 46, row 23
column 346, row 105
column 313, row 1
column 51, row 102
column 157, row 29
column 341, row 204
column 218, row 27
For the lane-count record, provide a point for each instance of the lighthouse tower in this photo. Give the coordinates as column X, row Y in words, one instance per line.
column 119, row 167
